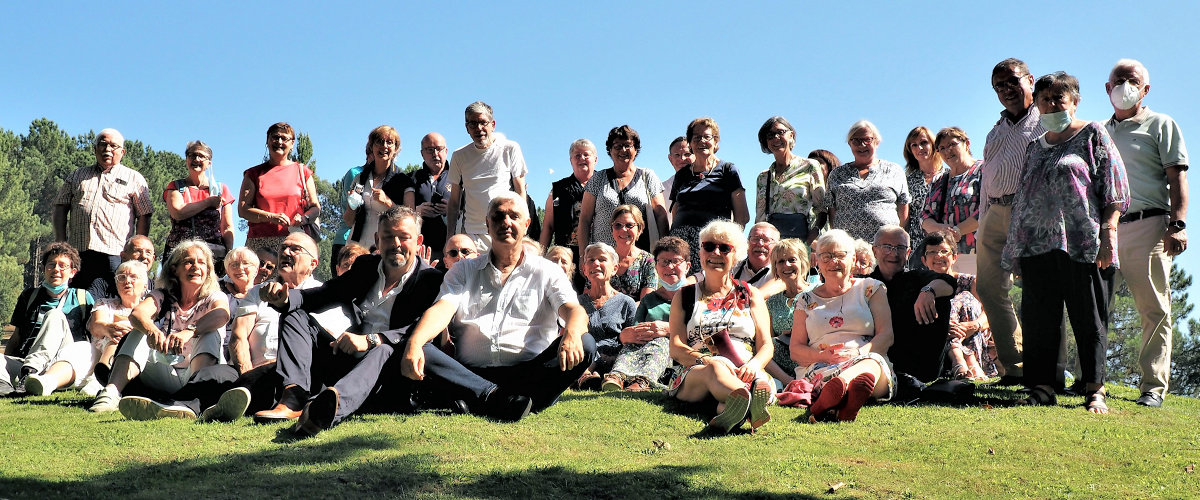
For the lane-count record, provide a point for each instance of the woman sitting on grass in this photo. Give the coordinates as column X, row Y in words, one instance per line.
column 645, row 349
column 841, row 334
column 789, row 265
column 720, row 331
column 609, row 311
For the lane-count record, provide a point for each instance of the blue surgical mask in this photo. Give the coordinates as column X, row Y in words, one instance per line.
column 54, row 290
column 674, row 288
column 1056, row 122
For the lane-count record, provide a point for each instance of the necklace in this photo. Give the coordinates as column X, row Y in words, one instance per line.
column 837, row 320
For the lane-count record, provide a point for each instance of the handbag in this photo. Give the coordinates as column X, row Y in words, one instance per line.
column 651, row 224
column 313, row 227
column 789, row 225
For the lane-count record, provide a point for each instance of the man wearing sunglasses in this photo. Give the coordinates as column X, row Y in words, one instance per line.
column 920, row 304
column 458, row 247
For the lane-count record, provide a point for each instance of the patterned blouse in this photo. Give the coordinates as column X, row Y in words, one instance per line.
column 644, row 186
column 640, row 275
column 956, row 199
column 864, row 205
column 802, row 190
column 1064, row 190
column 782, row 310
column 917, row 191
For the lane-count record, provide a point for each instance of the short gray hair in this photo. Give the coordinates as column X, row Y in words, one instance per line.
column 1132, row 64
column 861, row 125
column 581, row 143
column 198, row 144
column 243, row 253
column 480, row 107
column 730, row 232
column 507, row 196
column 603, row 247
column 112, row 132
column 833, row 237
column 891, row 229
column 766, row 225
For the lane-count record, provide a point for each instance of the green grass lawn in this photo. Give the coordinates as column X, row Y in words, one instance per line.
column 593, row 445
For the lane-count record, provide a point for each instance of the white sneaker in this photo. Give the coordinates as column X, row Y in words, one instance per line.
column 230, row 407
column 139, row 408
column 106, row 401
column 35, row 386
column 91, row 386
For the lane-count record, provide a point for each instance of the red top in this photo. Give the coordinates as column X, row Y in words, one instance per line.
column 278, row 189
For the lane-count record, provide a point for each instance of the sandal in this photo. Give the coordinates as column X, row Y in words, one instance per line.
column 1039, row 396
column 959, row 372
column 1095, row 402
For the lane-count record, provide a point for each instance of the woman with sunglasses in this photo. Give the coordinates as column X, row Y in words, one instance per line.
column 200, row 207
column 841, row 333
column 634, row 274
column 720, row 331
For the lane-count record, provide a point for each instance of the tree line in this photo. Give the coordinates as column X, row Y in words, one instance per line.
column 33, row 166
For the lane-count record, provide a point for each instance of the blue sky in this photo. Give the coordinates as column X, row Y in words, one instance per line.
column 166, row 73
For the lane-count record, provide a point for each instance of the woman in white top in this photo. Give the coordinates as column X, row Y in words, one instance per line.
column 720, row 331
column 841, row 333
column 241, row 267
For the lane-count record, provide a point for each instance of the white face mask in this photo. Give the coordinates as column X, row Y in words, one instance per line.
column 1056, row 122
column 1125, row 96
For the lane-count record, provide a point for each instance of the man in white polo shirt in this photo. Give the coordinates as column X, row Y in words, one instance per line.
column 1152, row 231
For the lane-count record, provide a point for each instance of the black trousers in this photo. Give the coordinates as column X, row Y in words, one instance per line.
column 540, row 378
column 1052, row 280
column 305, row 359
column 206, row 386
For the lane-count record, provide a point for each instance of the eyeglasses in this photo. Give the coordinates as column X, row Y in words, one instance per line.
column 777, row 133
column 281, row 137
column 766, row 240
column 623, row 145
column 105, row 146
column 267, row 267
column 122, row 278
column 893, row 248
column 862, row 141
column 941, row 252
column 705, row 137
column 295, row 249
column 433, row 150
column 478, row 123
column 953, row 143
column 1010, row 83
column 831, row 256
column 712, row 246
column 197, row 156
column 671, row 262
column 453, row 253
column 624, row 225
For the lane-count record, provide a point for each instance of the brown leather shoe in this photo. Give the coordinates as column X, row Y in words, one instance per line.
column 288, row 408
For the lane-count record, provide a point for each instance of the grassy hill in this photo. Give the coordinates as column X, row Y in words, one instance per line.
column 593, row 445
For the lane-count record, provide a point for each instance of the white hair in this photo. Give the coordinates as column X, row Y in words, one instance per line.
column 581, row 144
column 891, row 229
column 603, row 247
column 114, row 133
column 860, row 125
column 1133, row 64
column 834, row 237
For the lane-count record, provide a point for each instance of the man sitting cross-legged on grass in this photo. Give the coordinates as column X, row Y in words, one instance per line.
column 388, row 292
column 502, row 308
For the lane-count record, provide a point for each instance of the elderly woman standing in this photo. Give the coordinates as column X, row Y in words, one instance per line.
column 923, row 167
column 176, row 332
column 720, row 331
column 200, row 207
column 379, row 185
column 711, row 189
column 791, row 189
column 645, row 350
column 841, row 333
column 952, row 207
column 1063, row 238
column 634, row 274
column 609, row 311
column 278, row 195
column 867, row 193
column 623, row 184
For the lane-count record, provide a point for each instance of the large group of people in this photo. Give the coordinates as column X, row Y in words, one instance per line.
column 860, row 278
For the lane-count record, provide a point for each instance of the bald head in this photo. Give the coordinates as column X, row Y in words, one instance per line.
column 433, row 150
column 139, row 248
column 461, row 246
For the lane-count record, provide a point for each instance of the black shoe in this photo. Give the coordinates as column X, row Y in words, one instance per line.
column 1150, row 399
column 506, row 406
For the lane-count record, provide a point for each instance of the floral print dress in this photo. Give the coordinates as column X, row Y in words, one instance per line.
column 965, row 307
column 954, row 199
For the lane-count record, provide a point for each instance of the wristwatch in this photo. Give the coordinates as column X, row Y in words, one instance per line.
column 1177, row 224
column 373, row 340
column 929, row 288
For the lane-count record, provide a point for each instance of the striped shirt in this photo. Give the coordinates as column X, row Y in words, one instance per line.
column 1004, row 155
column 103, row 206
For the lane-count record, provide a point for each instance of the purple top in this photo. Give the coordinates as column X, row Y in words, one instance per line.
column 1064, row 190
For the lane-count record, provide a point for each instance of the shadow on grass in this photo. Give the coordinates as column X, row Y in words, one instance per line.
column 335, row 469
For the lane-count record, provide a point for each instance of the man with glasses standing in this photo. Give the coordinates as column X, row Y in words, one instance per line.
column 431, row 184
column 1003, row 162
column 99, row 207
column 480, row 171
column 920, row 303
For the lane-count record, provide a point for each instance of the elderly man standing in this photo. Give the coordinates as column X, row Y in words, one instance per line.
column 480, row 171
column 1003, row 162
column 431, row 184
column 99, row 207
column 388, row 292
column 566, row 196
column 920, row 303
column 1153, row 230
column 503, row 310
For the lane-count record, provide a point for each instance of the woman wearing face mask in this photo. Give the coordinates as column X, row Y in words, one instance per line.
column 645, row 353
column 867, row 193
column 923, row 167
column 200, row 207
column 952, row 207
column 791, row 188
column 1063, row 238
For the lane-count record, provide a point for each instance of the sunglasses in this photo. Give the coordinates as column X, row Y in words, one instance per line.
column 455, row 252
column 267, row 267
column 625, row 225
column 712, row 246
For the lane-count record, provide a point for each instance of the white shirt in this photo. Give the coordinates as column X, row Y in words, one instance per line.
column 264, row 337
column 502, row 324
column 377, row 306
column 483, row 174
